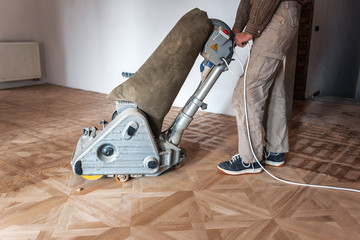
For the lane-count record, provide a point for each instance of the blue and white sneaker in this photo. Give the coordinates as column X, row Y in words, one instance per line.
column 236, row 166
column 274, row 159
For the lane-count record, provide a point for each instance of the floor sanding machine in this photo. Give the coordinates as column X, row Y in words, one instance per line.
column 126, row 147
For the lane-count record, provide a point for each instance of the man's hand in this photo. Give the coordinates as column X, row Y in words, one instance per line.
column 242, row 38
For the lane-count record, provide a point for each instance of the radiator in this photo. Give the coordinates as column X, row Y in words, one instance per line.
column 19, row 61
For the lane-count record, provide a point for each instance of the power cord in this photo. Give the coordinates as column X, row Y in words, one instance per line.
column 241, row 65
column 249, row 45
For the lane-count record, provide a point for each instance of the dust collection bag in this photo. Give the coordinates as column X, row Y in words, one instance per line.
column 156, row 84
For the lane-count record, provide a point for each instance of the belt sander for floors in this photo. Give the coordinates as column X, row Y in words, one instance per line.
column 132, row 144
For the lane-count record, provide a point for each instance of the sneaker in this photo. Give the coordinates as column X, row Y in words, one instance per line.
column 274, row 159
column 236, row 166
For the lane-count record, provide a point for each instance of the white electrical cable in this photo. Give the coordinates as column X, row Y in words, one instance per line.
column 227, row 65
column 241, row 65
column 250, row 143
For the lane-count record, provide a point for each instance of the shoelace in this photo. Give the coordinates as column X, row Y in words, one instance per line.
column 237, row 157
column 234, row 158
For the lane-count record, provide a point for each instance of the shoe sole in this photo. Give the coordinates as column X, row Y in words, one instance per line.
column 247, row 171
column 274, row 164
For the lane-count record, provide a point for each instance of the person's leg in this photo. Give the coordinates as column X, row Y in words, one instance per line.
column 259, row 80
column 276, row 122
column 266, row 58
column 266, row 65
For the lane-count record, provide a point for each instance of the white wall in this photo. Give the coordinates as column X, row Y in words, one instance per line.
column 19, row 21
column 334, row 59
column 89, row 43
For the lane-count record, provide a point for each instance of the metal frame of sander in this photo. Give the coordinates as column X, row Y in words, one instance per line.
column 126, row 146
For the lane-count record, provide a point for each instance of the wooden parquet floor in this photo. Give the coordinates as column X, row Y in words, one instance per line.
column 40, row 198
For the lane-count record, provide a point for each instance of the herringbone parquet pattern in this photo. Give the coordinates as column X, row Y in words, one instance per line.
column 40, row 198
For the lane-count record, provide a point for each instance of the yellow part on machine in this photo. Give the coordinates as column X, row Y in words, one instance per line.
column 91, row 177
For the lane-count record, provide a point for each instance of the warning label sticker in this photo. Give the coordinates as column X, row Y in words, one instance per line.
column 214, row 47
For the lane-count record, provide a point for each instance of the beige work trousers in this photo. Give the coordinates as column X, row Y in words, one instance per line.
column 265, row 90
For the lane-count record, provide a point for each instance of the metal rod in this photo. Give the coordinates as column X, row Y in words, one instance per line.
column 185, row 117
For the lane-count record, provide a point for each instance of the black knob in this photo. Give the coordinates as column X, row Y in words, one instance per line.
column 152, row 164
column 78, row 168
column 131, row 131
